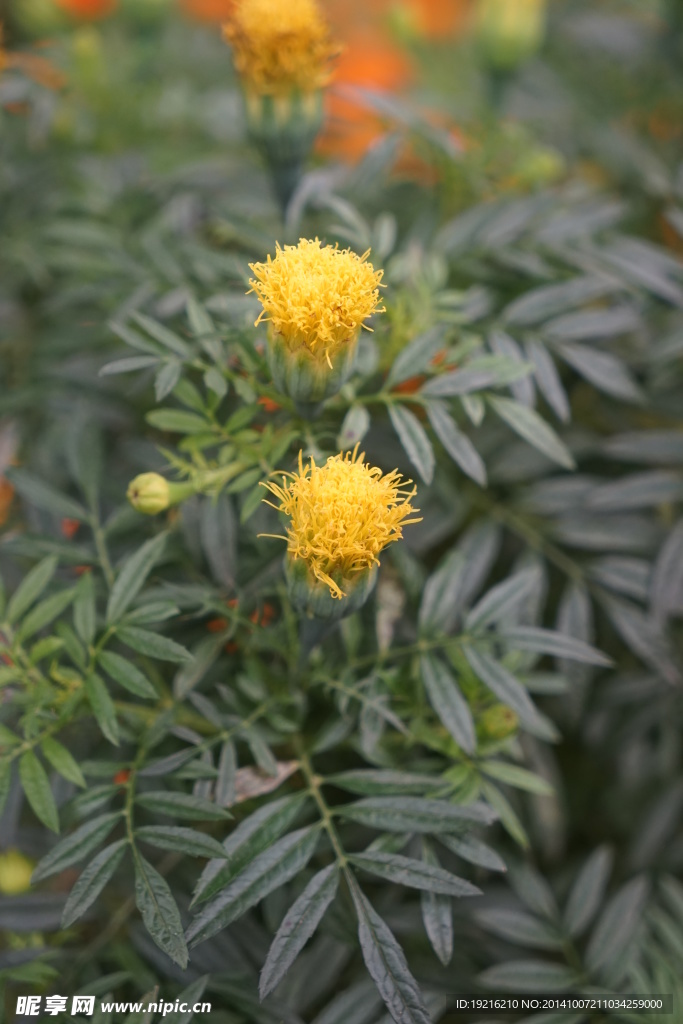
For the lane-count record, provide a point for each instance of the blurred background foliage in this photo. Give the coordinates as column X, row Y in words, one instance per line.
column 528, row 214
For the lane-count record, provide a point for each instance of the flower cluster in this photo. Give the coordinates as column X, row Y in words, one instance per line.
column 343, row 514
column 280, row 45
column 317, row 296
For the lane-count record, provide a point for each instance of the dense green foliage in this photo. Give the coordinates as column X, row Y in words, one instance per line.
column 476, row 781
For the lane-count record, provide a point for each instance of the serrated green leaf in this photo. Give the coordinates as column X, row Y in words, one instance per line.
column 298, row 925
column 44, row 613
column 386, row 964
column 415, row 874
column 437, row 914
column 76, row 846
column 528, row 976
column 588, row 890
column 520, row 928
column 473, row 851
column 456, row 443
column 40, row 494
column 185, row 840
column 268, row 871
column 62, row 761
column 132, row 576
column 126, row 674
column 178, row 421
column 159, row 911
column 383, row 782
column 533, row 429
column 181, row 805
column 84, row 609
column 447, row 701
column 92, row 881
column 162, row 334
column 102, row 708
column 547, row 641
column 413, row 437
column 36, row 786
column 513, row 775
column 144, row 641
column 30, row 588
column 251, row 837
column 411, row 814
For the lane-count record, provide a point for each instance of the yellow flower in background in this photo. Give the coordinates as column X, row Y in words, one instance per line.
column 15, row 873
column 280, row 45
column 317, row 297
column 343, row 514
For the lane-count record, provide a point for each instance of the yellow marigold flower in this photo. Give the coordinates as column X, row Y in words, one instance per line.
column 343, row 514
column 280, row 45
column 317, row 296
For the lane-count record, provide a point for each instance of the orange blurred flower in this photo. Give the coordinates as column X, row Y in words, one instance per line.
column 268, row 404
column 6, row 498
column 87, row 10
column 211, row 11
column 122, row 777
column 435, row 19
column 70, row 528
column 369, row 62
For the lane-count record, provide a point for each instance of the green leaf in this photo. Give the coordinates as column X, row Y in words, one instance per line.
column 437, row 914
column 268, row 871
column 178, row 421
column 5, row 782
column 603, row 370
column 411, row 814
column 43, row 496
column 387, row 964
column 520, row 778
column 159, row 911
column 102, row 708
column 181, row 805
column 588, row 890
column 185, row 840
column 127, row 365
column 126, row 674
column 30, row 588
column 166, row 379
column 417, row 355
column 298, row 925
column 532, row 428
column 617, row 924
column 447, row 701
column 92, row 881
column 520, row 928
column 227, row 768
column 190, row 996
column 62, row 761
column 413, row 437
column 354, row 428
column 132, row 576
column 383, row 782
column 36, row 786
column 528, row 976
column 251, row 837
column 44, row 613
column 547, row 641
column 456, row 443
column 440, row 593
column 84, row 609
column 152, row 644
column 503, row 599
column 507, row 689
column 416, row 874
column 76, row 846
column 473, row 851
column 162, row 334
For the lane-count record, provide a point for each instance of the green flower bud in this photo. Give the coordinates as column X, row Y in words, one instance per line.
column 509, row 31
column 149, row 493
column 498, row 722
column 15, row 873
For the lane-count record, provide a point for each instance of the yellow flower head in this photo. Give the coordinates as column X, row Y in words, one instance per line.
column 317, row 296
column 343, row 514
column 280, row 45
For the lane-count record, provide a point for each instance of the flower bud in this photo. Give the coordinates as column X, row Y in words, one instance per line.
column 15, row 873
column 149, row 493
column 498, row 722
column 312, row 597
column 509, row 31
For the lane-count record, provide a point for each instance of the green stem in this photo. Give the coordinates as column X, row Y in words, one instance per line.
column 313, row 782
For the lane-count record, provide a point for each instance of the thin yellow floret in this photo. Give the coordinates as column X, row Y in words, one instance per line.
column 280, row 45
column 343, row 514
column 317, row 296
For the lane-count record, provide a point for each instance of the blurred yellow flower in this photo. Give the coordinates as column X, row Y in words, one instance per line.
column 280, row 45
column 343, row 514
column 15, row 873
column 317, row 296
column 509, row 31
